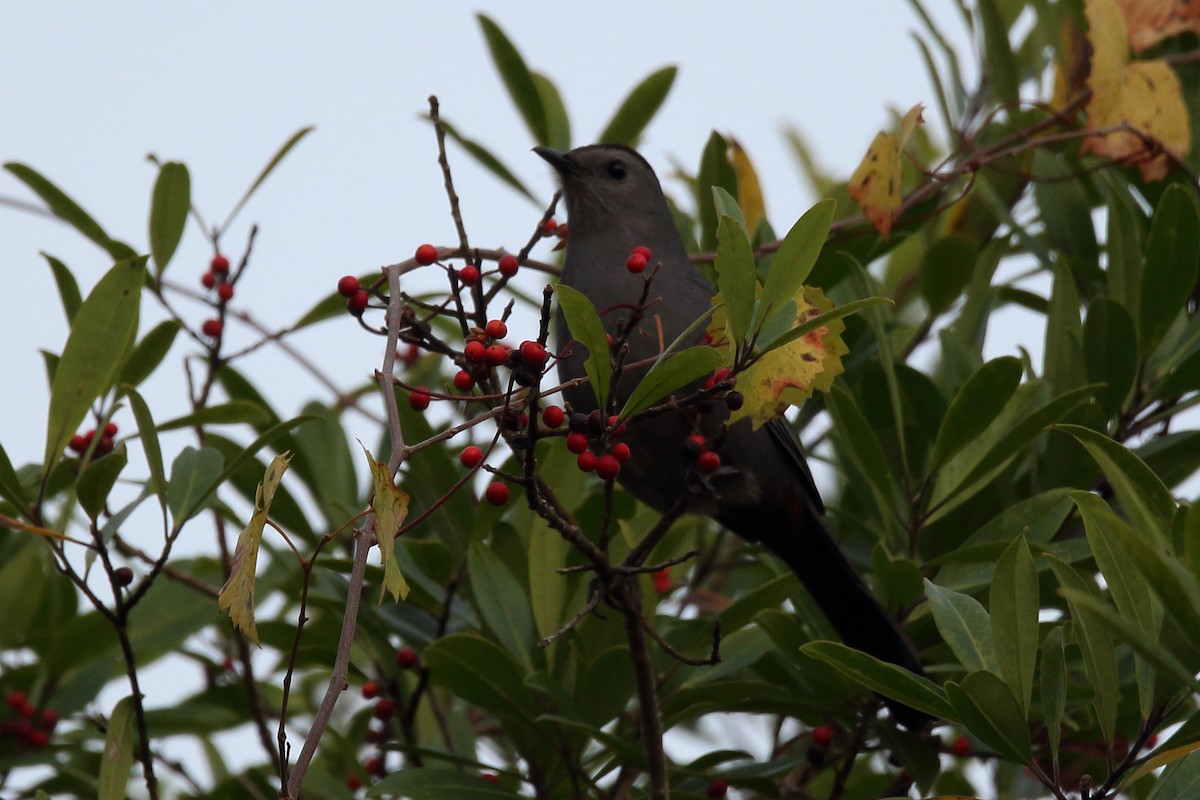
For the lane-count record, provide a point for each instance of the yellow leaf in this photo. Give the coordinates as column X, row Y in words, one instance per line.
column 1151, row 21
column 1144, row 95
column 788, row 375
column 390, row 506
column 237, row 595
column 750, row 197
column 876, row 183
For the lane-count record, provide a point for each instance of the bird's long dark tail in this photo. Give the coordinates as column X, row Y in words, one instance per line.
column 862, row 623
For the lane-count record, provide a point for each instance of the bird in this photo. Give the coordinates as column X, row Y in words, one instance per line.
column 763, row 490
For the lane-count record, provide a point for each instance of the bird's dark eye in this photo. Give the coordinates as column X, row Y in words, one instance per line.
column 617, row 170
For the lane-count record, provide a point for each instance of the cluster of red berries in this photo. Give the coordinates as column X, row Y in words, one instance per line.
column 383, row 710
column 586, row 429
column 733, row 399
column 217, row 278
column 356, row 296
column 31, row 726
column 638, row 260
column 80, row 442
column 707, row 461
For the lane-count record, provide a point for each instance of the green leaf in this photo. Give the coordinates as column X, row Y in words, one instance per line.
column 1001, row 66
column 68, row 288
column 517, row 79
column 280, row 154
column 1124, row 246
column 945, row 270
column 480, row 672
column 69, row 211
column 116, row 759
column 886, row 679
column 671, row 373
column 715, row 170
column 192, row 474
column 97, row 480
column 1169, row 269
column 1053, row 687
column 638, row 108
column 861, row 443
column 587, row 330
column 797, row 254
column 1013, row 607
column 1110, row 351
column 231, row 413
column 92, row 356
column 1179, row 781
column 438, row 783
column 821, row 320
column 1142, row 495
column 149, row 353
column 489, row 162
column 10, row 485
column 976, row 405
column 557, row 125
column 988, row 709
column 964, row 624
column 169, row 207
column 1063, row 363
column 502, row 603
column 150, row 445
column 735, row 275
column 1099, row 659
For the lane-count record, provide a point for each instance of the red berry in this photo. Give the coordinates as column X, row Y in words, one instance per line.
column 464, row 381
column 1151, row 741
column 347, row 285
column 620, row 452
column 49, row 719
column 376, row 736
column 553, row 416
column 122, row 576
column 471, row 457
column 37, row 739
column 496, row 493
column 708, row 462
column 577, row 442
column 549, row 227
column 353, row 782
column 495, row 354
column 822, row 735
column 111, row 429
column 374, row 766
column 489, row 777
column 105, row 446
column 78, row 443
column 225, row 292
column 636, row 263
column 617, row 430
column 642, row 251
column 220, row 264
column 208, row 280
column 586, row 461
column 357, row 304
column 717, row 789
column 384, row 709
column 409, row 356
column 474, row 350
column 211, row 328
column 533, row 354
column 419, row 399
column 370, row 690
column 608, row 467
column 496, row 329
column 426, row 254
column 961, row 747
column 508, row 266
column 608, row 339
column 406, row 658
column 661, row 580
column 469, row 275
column 17, row 700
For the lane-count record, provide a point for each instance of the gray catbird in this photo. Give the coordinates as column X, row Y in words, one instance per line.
column 763, row 490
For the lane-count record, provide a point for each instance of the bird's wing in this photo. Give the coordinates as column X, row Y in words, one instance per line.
column 785, row 437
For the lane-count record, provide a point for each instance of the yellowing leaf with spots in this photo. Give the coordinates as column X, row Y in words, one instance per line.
column 750, row 197
column 1151, row 21
column 391, row 507
column 237, row 595
column 1144, row 96
column 876, row 183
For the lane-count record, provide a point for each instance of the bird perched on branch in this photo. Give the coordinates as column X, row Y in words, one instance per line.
column 763, row 490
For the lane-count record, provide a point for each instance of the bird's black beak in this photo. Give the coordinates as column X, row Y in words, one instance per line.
column 561, row 163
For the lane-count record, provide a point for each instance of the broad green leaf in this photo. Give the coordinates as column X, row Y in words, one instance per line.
column 280, row 154
column 1063, row 362
column 1013, row 607
column 192, row 475
column 860, row 441
column 794, row 259
column 1110, row 351
column 587, row 330
column 230, row 413
column 502, row 603
column 886, row 679
column 438, row 783
column 558, row 127
column 735, row 276
column 1177, row 784
column 727, row 206
column 1099, row 659
column 149, row 353
column 1053, row 685
column 964, row 624
column 68, row 288
column 116, row 759
column 715, row 170
column 1124, row 248
column 69, row 211
column 989, row 711
column 323, row 449
column 945, row 271
column 10, row 485
column 673, row 372
column 489, row 161
column 480, row 672
column 1002, row 73
column 169, row 207
column 92, row 356
column 638, row 108
column 97, row 480
column 978, row 402
column 517, row 80
column 157, row 482
column 1144, row 498
column 1169, row 269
